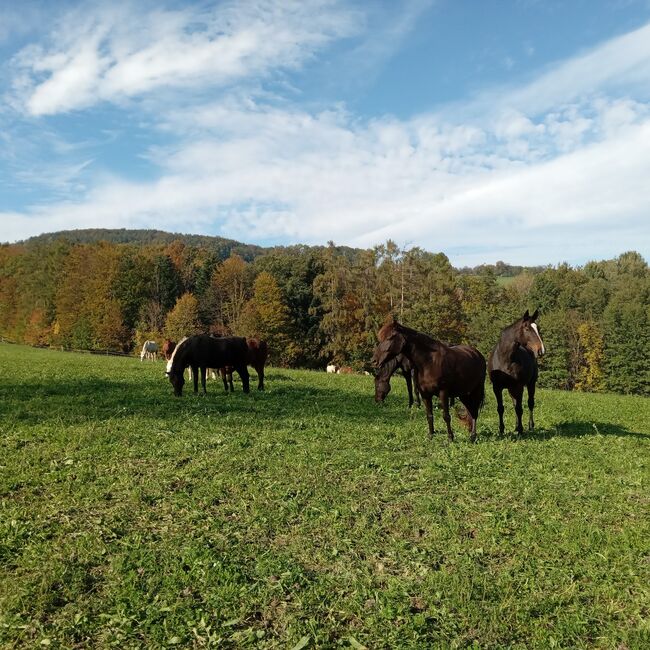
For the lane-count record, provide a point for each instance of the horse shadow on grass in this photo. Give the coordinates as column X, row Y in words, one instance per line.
column 569, row 429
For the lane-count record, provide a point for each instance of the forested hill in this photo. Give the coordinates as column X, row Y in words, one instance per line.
column 220, row 246
column 223, row 248
column 114, row 289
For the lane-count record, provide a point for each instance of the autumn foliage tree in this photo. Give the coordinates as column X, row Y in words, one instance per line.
column 183, row 319
column 266, row 316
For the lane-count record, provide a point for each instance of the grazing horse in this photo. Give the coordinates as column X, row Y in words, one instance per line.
column 382, row 379
column 201, row 352
column 168, row 348
column 258, row 352
column 149, row 351
column 513, row 365
column 440, row 369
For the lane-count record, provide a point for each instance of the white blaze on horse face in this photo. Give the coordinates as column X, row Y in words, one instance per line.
column 534, row 326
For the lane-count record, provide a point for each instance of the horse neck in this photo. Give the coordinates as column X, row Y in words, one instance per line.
column 180, row 361
column 507, row 343
column 418, row 349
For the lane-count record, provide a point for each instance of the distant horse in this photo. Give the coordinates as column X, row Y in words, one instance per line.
column 440, row 369
column 201, row 352
column 345, row 370
column 258, row 352
column 513, row 365
column 168, row 348
column 332, row 368
column 382, row 379
column 149, row 351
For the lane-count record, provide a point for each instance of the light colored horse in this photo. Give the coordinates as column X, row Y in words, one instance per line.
column 149, row 351
column 331, row 368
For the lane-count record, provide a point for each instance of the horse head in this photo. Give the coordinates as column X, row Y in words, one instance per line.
column 178, row 381
column 391, row 345
column 527, row 334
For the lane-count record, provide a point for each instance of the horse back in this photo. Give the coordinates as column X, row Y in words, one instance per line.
column 209, row 352
column 457, row 369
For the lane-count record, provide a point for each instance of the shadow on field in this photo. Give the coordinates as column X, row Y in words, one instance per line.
column 94, row 398
column 581, row 429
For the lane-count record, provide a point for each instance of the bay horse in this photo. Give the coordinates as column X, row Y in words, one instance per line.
column 382, row 379
column 448, row 371
column 200, row 352
column 168, row 348
column 258, row 352
column 149, row 351
column 513, row 365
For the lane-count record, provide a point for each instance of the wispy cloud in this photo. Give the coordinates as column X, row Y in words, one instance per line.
column 117, row 52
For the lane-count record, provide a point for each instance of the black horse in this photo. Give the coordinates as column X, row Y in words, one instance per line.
column 447, row 371
column 201, row 352
column 513, row 365
column 382, row 378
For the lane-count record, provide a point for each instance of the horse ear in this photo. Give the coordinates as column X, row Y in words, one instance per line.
column 535, row 315
column 526, row 316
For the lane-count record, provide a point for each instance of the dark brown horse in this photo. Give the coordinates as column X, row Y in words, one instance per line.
column 513, row 365
column 382, row 378
column 258, row 352
column 201, row 352
column 442, row 370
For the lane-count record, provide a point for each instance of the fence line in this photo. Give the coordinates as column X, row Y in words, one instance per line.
column 108, row 353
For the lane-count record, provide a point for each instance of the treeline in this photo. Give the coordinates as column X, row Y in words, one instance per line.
column 320, row 304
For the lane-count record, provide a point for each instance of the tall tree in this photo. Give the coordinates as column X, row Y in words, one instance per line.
column 183, row 320
column 266, row 316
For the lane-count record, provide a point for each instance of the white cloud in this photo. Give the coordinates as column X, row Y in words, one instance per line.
column 117, row 52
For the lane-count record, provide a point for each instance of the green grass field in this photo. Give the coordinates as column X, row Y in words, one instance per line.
column 306, row 516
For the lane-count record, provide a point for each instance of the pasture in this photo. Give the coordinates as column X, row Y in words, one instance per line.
column 306, row 516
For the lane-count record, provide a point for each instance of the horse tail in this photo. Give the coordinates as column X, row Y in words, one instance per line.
column 463, row 414
column 481, row 396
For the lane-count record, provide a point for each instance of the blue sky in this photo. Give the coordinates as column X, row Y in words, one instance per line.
column 489, row 129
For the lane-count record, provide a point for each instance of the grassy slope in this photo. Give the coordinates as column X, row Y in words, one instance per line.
column 309, row 516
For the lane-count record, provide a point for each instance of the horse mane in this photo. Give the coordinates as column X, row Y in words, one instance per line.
column 170, row 363
column 420, row 338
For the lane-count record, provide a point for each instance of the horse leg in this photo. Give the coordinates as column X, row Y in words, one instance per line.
column 229, row 373
column 242, row 371
column 531, row 405
column 416, row 388
column 429, row 409
column 222, row 372
column 195, row 377
column 203, row 374
column 498, row 393
column 409, row 387
column 444, row 402
column 260, row 377
column 517, row 394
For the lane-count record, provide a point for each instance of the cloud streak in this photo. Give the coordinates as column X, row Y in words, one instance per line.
column 108, row 56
